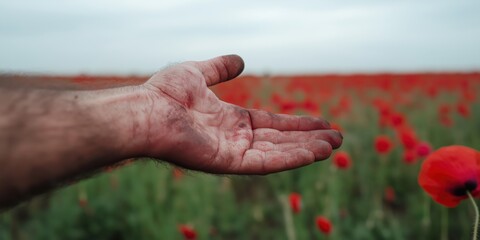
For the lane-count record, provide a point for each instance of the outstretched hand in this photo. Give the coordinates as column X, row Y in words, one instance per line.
column 187, row 125
column 51, row 136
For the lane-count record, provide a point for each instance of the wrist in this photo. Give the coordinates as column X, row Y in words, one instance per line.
column 127, row 113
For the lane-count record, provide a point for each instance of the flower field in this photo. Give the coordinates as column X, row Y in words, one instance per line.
column 367, row 189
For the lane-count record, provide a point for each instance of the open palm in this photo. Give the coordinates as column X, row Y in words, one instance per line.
column 204, row 133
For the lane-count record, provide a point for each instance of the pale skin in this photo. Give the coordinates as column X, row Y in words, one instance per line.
column 49, row 137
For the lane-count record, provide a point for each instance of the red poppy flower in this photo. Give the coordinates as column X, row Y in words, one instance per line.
column 383, row 144
column 408, row 138
column 342, row 160
column 288, row 107
column 310, row 106
column 448, row 173
column 188, row 232
column 397, row 119
column 324, row 225
column 295, row 200
column 277, row 99
column 336, row 126
column 463, row 109
column 409, row 156
column 423, row 149
column 446, row 121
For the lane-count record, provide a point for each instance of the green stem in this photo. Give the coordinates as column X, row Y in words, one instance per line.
column 444, row 228
column 426, row 217
column 287, row 217
column 475, row 227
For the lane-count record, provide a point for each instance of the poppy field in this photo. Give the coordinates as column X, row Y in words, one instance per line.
column 373, row 187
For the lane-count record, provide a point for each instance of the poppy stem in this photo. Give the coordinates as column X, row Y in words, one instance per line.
column 475, row 227
column 444, row 224
column 287, row 217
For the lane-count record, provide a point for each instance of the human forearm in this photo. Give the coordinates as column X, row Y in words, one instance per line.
column 47, row 137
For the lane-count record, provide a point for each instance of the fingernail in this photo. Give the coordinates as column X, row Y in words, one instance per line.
column 341, row 135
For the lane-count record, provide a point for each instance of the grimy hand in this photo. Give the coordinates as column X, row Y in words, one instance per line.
column 189, row 126
column 48, row 137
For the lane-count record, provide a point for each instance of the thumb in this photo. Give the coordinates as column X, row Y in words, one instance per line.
column 221, row 69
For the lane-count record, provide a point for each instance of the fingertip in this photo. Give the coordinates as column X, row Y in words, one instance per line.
column 338, row 140
column 325, row 150
column 220, row 69
column 234, row 65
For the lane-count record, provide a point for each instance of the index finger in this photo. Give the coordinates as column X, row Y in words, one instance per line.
column 285, row 122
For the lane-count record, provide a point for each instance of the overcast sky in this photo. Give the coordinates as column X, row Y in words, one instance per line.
column 142, row 36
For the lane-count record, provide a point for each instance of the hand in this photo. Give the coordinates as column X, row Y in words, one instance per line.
column 204, row 133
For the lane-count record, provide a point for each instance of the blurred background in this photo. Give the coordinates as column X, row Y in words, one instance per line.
column 398, row 79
